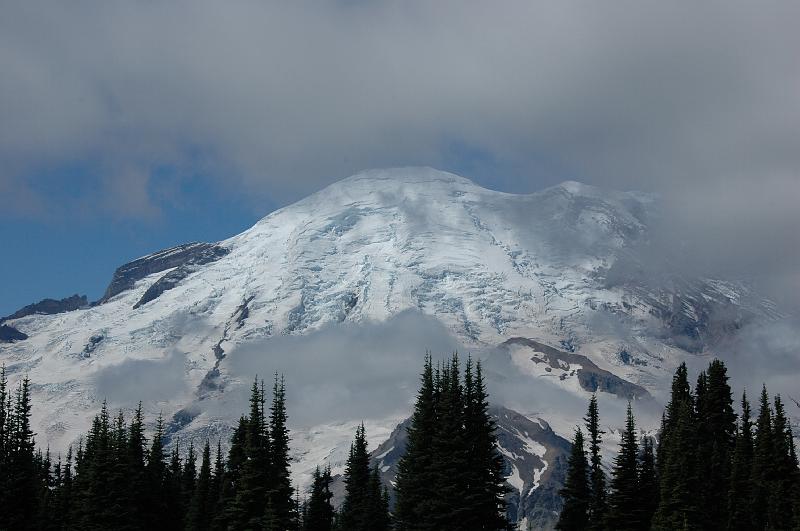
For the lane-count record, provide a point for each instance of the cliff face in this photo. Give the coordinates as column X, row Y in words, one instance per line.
column 50, row 307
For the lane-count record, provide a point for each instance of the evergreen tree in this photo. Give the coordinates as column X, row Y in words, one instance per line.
column 740, row 495
column 576, row 493
column 318, row 514
column 677, row 467
column 281, row 492
column 716, row 427
column 136, row 475
column 415, row 484
column 763, row 463
column 783, row 491
column 252, row 487
column 174, row 493
column 362, row 509
column 120, row 505
column 157, row 481
column 21, row 471
column 625, row 500
column 450, row 451
column 199, row 517
column 485, row 506
column 215, row 487
column 229, row 512
column 648, row 483
column 5, row 430
column 597, row 476
column 378, row 502
column 189, row 478
column 451, row 475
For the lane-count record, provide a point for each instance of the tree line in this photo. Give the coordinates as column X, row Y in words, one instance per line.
column 709, row 469
column 119, row 478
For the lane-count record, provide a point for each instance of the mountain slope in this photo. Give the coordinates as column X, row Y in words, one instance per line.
column 488, row 266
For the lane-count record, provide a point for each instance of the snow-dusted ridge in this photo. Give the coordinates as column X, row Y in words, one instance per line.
column 488, row 265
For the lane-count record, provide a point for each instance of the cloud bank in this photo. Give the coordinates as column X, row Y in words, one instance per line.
column 269, row 101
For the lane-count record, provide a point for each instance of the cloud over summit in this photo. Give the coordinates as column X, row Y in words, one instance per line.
column 274, row 100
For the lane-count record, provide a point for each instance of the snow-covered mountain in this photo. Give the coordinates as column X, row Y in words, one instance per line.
column 540, row 280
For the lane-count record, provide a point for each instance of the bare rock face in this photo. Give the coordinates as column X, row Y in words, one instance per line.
column 50, row 307
column 9, row 334
column 196, row 253
column 590, row 377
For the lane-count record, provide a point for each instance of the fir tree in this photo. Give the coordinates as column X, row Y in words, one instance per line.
column 486, row 506
column 763, row 463
column 252, row 487
column 378, row 502
column 716, row 427
column 215, row 487
column 415, row 482
column 318, row 514
column 625, row 500
column 783, row 490
column 740, row 495
column 281, row 491
column 174, row 492
column 5, row 429
column 648, row 482
column 450, row 451
column 189, row 477
column 677, row 469
column 199, row 517
column 229, row 512
column 576, row 492
column 21, row 471
column 358, row 508
column 597, row 476
column 136, row 474
column 156, row 477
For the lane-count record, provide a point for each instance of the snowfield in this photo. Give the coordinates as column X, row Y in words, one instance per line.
column 487, row 265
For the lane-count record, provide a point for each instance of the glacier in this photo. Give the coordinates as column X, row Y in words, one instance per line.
column 545, row 271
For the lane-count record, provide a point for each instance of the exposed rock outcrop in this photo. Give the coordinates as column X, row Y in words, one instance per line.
column 49, row 307
column 9, row 334
column 190, row 254
column 591, row 377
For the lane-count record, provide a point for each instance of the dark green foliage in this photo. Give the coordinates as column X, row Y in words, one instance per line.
column 597, row 476
column 450, row 476
column 280, row 493
column 783, row 489
column 763, row 462
column 677, row 466
column 416, row 485
column 576, row 493
column 318, row 511
column 624, row 500
column 648, row 483
column 708, row 471
column 252, row 459
column 199, row 516
column 740, row 493
column 363, row 507
column 22, row 473
column 485, row 487
column 716, row 428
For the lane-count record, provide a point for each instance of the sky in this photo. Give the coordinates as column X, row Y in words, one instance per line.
column 130, row 127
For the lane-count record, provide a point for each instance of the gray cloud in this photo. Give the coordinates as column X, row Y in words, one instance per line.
column 698, row 103
column 151, row 380
column 371, row 370
column 346, row 372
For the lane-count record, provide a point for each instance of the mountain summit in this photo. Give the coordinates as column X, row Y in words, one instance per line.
column 536, row 276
